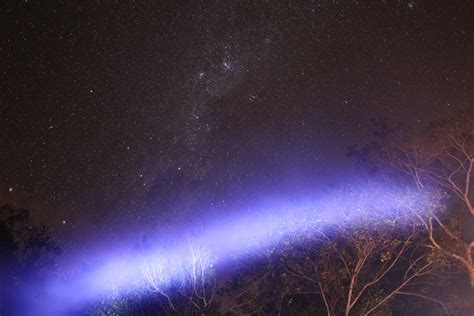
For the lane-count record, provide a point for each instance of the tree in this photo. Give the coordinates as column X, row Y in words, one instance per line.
column 187, row 282
column 357, row 265
column 26, row 253
column 360, row 269
column 256, row 287
column 442, row 158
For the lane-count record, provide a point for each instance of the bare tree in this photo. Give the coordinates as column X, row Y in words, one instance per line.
column 353, row 269
column 197, row 280
column 442, row 158
column 156, row 275
column 187, row 276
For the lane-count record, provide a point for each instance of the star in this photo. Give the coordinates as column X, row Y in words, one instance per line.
column 227, row 66
column 248, row 100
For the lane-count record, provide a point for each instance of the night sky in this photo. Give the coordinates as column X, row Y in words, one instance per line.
column 119, row 114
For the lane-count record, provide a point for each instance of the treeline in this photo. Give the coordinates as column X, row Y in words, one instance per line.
column 413, row 263
column 419, row 261
column 27, row 260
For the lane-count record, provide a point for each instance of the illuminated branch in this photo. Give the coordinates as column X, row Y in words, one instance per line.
column 444, row 159
column 352, row 266
column 156, row 277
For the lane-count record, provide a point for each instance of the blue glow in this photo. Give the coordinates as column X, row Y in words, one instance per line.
column 216, row 241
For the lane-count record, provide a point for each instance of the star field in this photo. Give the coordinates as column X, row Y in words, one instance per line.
column 116, row 113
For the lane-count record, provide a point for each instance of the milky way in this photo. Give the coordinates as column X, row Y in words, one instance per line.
column 116, row 114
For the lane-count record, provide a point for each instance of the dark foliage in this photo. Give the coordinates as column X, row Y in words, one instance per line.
column 27, row 254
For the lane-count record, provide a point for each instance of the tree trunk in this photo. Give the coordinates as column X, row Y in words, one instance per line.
column 471, row 275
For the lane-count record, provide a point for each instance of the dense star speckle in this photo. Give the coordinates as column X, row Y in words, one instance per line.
column 116, row 113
